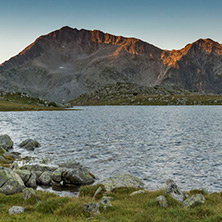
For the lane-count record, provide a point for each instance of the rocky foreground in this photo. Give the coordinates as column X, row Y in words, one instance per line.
column 118, row 198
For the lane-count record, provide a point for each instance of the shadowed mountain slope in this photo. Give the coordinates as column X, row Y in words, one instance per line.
column 68, row 62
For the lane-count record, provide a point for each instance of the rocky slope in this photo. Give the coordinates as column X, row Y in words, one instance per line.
column 68, row 62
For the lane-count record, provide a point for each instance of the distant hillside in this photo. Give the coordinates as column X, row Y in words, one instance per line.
column 68, row 62
column 131, row 94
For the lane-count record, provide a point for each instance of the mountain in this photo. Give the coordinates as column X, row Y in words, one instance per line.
column 68, row 62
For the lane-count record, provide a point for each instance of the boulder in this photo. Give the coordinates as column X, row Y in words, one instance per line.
column 174, row 191
column 16, row 210
column 123, row 180
column 195, row 200
column 32, row 180
column 6, row 142
column 10, row 182
column 2, row 151
column 162, row 201
column 45, row 178
column 28, row 193
column 57, row 174
column 77, row 176
column 24, row 174
column 2, row 159
column 29, row 144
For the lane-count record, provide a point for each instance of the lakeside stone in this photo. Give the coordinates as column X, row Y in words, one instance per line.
column 16, row 210
column 24, row 174
column 6, row 142
column 29, row 144
column 122, row 180
column 45, row 178
column 78, row 176
column 28, row 193
column 174, row 191
column 10, row 182
column 162, row 201
column 195, row 200
column 57, row 175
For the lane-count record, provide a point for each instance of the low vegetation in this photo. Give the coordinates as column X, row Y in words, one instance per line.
column 131, row 94
column 141, row 207
column 24, row 102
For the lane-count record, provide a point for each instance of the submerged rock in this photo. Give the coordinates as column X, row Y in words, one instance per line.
column 10, row 182
column 16, row 210
column 6, row 142
column 196, row 199
column 29, row 144
column 174, row 191
column 124, row 180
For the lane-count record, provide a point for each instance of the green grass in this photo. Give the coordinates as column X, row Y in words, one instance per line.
column 142, row 207
column 155, row 100
column 23, row 102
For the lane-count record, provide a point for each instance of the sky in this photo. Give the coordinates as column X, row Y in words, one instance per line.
column 167, row 24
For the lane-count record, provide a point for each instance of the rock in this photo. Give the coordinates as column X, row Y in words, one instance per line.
column 24, row 174
column 137, row 192
column 91, row 208
column 2, row 159
column 29, row 144
column 105, row 202
column 124, row 180
column 32, row 180
column 78, row 176
column 28, row 193
column 2, row 151
column 6, row 142
column 16, row 210
column 57, row 175
column 9, row 156
column 10, row 182
column 45, row 178
column 174, row 191
column 196, row 199
column 162, row 201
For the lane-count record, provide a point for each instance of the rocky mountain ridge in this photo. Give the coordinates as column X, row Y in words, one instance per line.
column 68, row 62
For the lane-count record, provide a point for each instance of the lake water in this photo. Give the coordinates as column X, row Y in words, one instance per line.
column 154, row 143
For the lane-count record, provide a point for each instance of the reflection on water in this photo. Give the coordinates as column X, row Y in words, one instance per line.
column 154, row 143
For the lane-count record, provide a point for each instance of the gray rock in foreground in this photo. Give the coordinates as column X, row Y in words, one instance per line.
column 28, row 193
column 29, row 144
column 123, row 180
column 174, row 191
column 16, row 210
column 6, row 142
column 162, row 201
column 10, row 182
column 195, row 200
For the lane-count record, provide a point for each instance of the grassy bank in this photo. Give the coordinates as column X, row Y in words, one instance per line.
column 23, row 102
column 141, row 207
column 131, row 94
